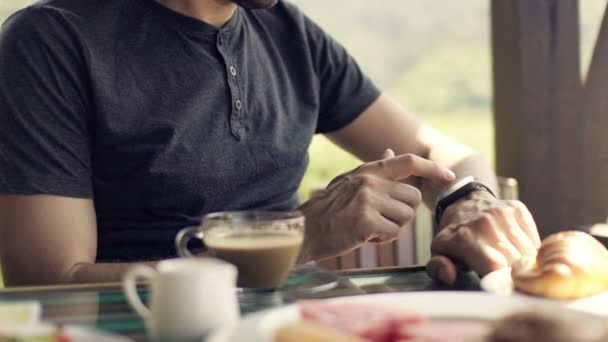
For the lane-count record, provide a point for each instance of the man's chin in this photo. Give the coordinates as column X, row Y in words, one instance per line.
column 256, row 4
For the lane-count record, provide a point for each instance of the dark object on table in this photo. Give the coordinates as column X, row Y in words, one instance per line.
column 544, row 327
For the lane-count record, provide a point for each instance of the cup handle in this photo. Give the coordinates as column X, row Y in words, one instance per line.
column 129, row 286
column 183, row 237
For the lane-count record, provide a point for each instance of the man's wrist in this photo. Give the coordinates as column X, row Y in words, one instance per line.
column 473, row 196
column 457, row 191
column 477, row 194
column 463, row 207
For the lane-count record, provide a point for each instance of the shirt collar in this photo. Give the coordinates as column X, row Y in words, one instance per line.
column 189, row 23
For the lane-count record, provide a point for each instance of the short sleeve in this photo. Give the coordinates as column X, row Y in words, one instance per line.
column 44, row 114
column 345, row 91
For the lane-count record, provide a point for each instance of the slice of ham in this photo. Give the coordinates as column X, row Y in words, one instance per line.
column 372, row 322
column 376, row 323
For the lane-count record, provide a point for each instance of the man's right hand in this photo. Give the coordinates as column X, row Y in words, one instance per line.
column 369, row 203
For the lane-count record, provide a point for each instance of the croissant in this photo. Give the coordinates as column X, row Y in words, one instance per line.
column 568, row 265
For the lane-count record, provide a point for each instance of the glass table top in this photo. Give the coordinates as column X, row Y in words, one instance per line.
column 103, row 306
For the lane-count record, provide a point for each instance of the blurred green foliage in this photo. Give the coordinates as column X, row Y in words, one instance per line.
column 434, row 56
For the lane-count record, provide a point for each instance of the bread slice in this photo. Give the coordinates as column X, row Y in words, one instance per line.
column 308, row 331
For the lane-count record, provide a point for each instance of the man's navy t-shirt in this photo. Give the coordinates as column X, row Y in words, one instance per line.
column 161, row 118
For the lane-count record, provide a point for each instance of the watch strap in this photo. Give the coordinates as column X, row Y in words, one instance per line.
column 456, row 192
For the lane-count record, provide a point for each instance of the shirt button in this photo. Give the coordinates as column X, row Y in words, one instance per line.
column 233, row 71
column 238, row 104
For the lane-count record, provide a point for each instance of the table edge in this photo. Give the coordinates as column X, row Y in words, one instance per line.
column 117, row 285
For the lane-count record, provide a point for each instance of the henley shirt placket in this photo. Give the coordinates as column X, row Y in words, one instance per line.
column 237, row 124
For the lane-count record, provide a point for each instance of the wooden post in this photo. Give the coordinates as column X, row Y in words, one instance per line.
column 595, row 132
column 537, row 91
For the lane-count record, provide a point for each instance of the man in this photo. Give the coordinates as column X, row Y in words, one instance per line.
column 124, row 121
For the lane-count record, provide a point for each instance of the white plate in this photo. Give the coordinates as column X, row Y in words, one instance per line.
column 449, row 304
column 500, row 282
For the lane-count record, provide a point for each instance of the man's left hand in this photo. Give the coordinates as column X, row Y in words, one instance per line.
column 484, row 233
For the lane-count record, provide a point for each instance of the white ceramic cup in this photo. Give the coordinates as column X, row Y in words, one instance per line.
column 188, row 298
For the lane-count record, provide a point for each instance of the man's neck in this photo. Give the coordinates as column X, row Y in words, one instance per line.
column 213, row 12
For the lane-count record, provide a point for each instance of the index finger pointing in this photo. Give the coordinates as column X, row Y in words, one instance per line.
column 406, row 165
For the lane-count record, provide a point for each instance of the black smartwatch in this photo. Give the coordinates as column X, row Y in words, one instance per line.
column 457, row 191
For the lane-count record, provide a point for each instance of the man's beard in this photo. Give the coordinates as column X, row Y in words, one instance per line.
column 255, row 4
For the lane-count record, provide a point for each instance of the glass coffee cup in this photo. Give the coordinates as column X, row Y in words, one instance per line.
column 263, row 245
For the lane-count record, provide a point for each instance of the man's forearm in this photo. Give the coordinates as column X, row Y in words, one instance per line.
column 100, row 273
column 455, row 156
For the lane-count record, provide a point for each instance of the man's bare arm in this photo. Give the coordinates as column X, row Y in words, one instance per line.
column 47, row 239
column 386, row 124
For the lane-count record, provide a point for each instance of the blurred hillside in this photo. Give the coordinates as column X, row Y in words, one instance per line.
column 431, row 54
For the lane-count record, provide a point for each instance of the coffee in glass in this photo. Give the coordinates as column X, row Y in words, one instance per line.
column 264, row 245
